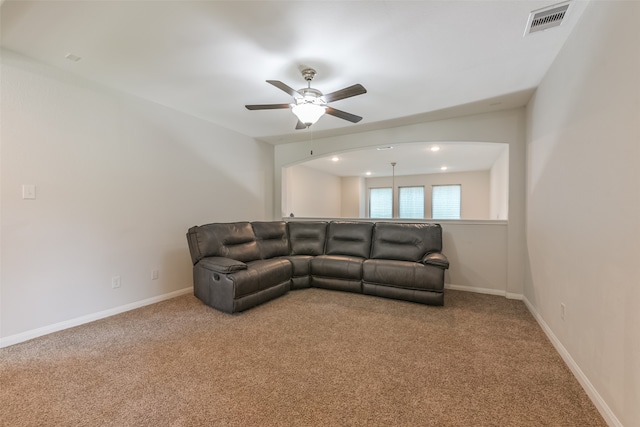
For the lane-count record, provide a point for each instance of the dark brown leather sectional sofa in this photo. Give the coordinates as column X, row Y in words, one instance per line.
column 239, row 265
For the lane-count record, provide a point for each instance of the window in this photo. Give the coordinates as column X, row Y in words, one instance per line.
column 411, row 204
column 380, row 203
column 445, row 202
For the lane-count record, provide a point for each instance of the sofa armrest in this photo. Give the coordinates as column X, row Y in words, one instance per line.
column 436, row 259
column 222, row 265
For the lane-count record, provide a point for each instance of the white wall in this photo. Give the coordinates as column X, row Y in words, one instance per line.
column 312, row 193
column 474, row 193
column 478, row 255
column 499, row 193
column 353, row 195
column 506, row 126
column 583, row 199
column 119, row 181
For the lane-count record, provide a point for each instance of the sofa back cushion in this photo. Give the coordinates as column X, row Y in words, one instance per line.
column 231, row 240
column 307, row 238
column 405, row 242
column 349, row 238
column 271, row 238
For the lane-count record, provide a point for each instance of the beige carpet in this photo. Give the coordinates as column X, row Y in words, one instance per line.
column 310, row 358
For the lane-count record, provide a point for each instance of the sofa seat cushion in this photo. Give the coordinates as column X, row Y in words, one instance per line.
column 301, row 264
column 402, row 274
column 260, row 275
column 339, row 266
column 301, row 276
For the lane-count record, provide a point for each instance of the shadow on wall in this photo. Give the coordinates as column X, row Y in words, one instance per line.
column 477, row 255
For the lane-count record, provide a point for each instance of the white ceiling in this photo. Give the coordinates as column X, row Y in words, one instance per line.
column 411, row 159
column 418, row 60
column 210, row 58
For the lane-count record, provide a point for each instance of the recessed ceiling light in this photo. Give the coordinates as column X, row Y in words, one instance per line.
column 72, row 57
column 444, row 168
column 368, row 173
column 384, row 148
column 334, row 159
column 435, row 148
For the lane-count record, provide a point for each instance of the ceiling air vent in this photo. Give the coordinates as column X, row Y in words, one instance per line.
column 548, row 17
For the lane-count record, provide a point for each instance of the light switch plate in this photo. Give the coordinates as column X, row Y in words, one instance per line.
column 28, row 191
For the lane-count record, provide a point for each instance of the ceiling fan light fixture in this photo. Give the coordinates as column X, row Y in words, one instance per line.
column 308, row 113
column 310, row 104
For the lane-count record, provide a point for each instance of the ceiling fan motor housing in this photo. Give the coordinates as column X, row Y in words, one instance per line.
column 310, row 96
column 308, row 74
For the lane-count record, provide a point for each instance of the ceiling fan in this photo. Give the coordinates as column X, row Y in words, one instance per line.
column 310, row 104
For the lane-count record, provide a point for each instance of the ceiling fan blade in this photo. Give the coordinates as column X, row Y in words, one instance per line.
column 267, row 106
column 343, row 115
column 284, row 87
column 300, row 125
column 347, row 92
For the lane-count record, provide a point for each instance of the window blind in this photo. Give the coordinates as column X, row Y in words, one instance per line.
column 445, row 202
column 380, row 203
column 411, row 202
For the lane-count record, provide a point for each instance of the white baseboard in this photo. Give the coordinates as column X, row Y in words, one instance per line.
column 35, row 333
column 511, row 295
column 593, row 394
column 488, row 291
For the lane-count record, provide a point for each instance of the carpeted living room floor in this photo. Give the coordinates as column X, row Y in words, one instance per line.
column 311, row 358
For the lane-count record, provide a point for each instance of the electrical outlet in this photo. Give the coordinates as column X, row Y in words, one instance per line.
column 115, row 282
column 562, row 310
column 155, row 274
